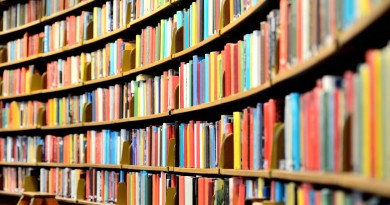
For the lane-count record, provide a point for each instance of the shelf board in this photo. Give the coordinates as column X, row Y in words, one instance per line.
column 65, row 11
column 44, row 91
column 19, row 28
column 67, row 126
column 196, row 107
column 146, row 168
column 18, row 129
column 54, row 52
column 213, row 171
column 317, row 58
column 312, row 177
column 18, row 96
column 18, row 164
column 104, row 79
column 66, row 200
column 54, row 164
column 241, row 18
column 104, row 36
column 30, row 58
column 104, row 166
column 150, row 15
column 8, row 193
column 146, row 67
column 80, row 201
column 246, row 173
column 245, row 94
column 367, row 185
column 148, row 117
column 199, row 45
column 364, row 22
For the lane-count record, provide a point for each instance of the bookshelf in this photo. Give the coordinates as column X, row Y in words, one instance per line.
column 345, row 180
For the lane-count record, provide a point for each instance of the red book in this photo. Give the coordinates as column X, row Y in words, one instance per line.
column 165, row 103
column 251, row 138
column 192, row 144
column 283, row 35
column 241, row 194
column 316, row 132
column 299, row 31
column 181, row 190
column 173, row 83
column 245, row 139
column 206, row 197
column 227, row 70
column 119, row 44
column 266, row 136
column 235, row 72
column 197, row 140
column 201, row 191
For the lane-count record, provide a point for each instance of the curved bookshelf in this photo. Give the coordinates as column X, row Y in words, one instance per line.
column 345, row 180
column 147, row 67
column 146, row 168
column 66, row 200
column 3, row 130
column 57, row 127
column 212, row 171
column 199, row 45
column 246, row 173
column 18, row 164
column 45, row 19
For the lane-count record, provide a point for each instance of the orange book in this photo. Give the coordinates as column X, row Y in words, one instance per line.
column 201, row 191
column 283, row 44
column 181, row 191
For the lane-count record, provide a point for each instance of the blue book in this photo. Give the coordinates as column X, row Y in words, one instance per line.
column 99, row 19
column 61, row 150
column 190, row 43
column 195, row 80
column 213, row 139
column 122, row 176
column 279, row 191
column 181, row 145
column 296, row 156
column 247, row 62
column 186, row 30
column 112, row 60
column 349, row 13
column 164, row 145
column 258, row 139
column 93, row 107
column 179, row 19
column 46, row 39
column 207, row 78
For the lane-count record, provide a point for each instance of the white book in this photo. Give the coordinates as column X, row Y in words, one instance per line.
column 288, row 134
column 256, row 64
column 189, row 190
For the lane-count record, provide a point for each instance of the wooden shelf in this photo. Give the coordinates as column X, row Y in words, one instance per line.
column 146, row 67
column 57, row 127
column 197, row 46
column 45, row 19
column 18, row 164
column 18, row 129
column 196, row 107
column 242, row 18
column 24, row 60
column 246, row 173
column 18, row 96
column 361, row 24
column 45, row 91
column 146, row 168
column 8, row 193
column 345, row 180
column 104, row 166
column 105, row 79
column 104, row 36
column 66, row 200
column 212, row 171
column 308, row 64
column 246, row 94
column 53, row 164
column 19, row 28
column 90, row 202
column 65, row 11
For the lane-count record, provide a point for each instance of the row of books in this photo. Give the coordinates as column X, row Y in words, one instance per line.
column 150, row 146
column 148, row 188
column 19, row 14
column 102, row 185
column 66, row 149
column 238, row 67
column 20, row 114
column 60, row 181
column 318, row 122
column 66, row 110
column 141, row 8
column 24, row 47
column 19, row 148
column 17, row 81
column 154, row 43
column 111, row 16
column 65, row 72
column 53, row 6
column 12, row 178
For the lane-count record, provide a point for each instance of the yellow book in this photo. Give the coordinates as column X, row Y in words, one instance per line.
column 138, row 51
column 237, row 139
column 339, row 197
column 379, row 109
column 231, row 9
column 212, row 71
column 364, row 8
column 95, row 22
column 260, row 186
column 219, row 76
column 290, row 199
column 300, row 196
column 386, row 96
column 365, row 119
column 15, row 114
column 194, row 29
column 28, row 81
column 82, row 66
